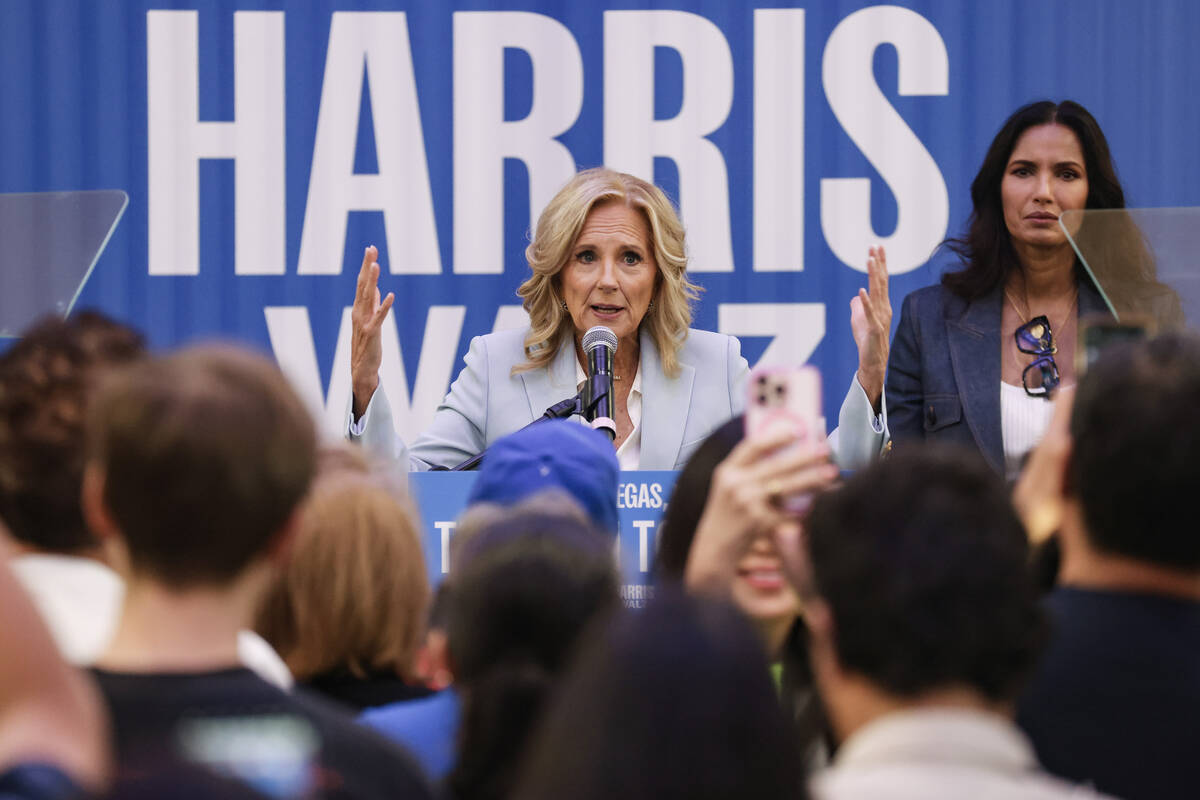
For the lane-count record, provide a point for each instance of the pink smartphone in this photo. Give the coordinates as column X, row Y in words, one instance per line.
column 788, row 397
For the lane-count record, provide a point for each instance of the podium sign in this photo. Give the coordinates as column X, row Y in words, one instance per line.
column 641, row 499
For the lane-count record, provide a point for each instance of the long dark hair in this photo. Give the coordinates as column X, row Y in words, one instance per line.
column 986, row 249
column 671, row 701
column 682, row 516
column 677, row 531
column 526, row 586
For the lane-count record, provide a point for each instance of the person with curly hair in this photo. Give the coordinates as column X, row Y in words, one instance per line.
column 47, row 379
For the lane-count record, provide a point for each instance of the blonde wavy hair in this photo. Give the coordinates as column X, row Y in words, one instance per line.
column 558, row 227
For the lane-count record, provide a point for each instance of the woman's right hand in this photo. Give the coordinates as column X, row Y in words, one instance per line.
column 871, row 324
column 366, row 340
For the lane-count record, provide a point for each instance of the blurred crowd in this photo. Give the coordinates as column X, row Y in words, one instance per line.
column 202, row 597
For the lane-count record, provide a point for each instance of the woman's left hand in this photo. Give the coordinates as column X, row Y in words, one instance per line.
column 871, row 323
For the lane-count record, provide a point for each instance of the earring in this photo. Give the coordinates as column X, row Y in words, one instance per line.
column 651, row 306
column 564, row 305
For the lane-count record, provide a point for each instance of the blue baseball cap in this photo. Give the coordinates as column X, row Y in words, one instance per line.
column 556, row 454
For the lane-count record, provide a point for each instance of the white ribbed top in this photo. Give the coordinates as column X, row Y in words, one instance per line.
column 1023, row 420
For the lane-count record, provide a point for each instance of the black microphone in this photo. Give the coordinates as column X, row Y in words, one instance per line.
column 600, row 346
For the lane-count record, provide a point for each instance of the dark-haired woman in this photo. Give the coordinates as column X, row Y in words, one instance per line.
column 527, row 585
column 524, row 586
column 718, row 538
column 976, row 358
column 670, row 702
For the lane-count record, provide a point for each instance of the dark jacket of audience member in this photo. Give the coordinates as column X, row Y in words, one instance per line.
column 198, row 462
column 526, row 587
column 1116, row 701
column 347, row 610
column 673, row 701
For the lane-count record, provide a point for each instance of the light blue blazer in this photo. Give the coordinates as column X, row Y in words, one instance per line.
column 487, row 402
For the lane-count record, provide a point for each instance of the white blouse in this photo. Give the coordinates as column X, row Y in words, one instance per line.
column 629, row 454
column 1023, row 421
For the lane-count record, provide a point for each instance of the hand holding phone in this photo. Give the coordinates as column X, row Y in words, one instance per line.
column 786, row 399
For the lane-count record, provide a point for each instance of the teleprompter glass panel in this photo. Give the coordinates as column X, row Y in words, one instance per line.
column 49, row 243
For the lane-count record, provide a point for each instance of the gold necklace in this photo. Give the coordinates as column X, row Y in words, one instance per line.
column 618, row 377
column 1024, row 315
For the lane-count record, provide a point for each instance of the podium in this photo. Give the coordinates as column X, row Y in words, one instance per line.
column 49, row 244
column 642, row 497
column 1144, row 261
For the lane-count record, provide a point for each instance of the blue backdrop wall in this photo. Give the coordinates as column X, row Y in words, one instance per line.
column 263, row 145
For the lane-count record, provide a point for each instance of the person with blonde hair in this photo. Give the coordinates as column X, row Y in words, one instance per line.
column 347, row 611
column 607, row 250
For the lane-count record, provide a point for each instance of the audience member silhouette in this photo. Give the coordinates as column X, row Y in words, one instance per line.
column 198, row 463
column 923, row 622
column 1116, row 700
column 670, row 701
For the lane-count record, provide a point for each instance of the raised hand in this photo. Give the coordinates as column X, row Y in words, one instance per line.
column 871, row 324
column 366, row 340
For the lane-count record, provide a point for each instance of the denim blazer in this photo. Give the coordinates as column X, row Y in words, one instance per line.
column 943, row 378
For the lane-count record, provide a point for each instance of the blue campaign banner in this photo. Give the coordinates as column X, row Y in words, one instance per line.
column 263, row 144
column 641, row 499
